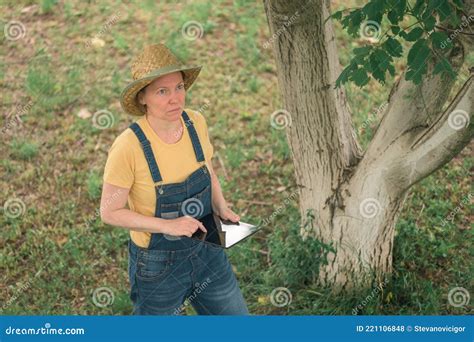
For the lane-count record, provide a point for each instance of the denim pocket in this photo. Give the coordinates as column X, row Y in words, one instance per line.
column 197, row 205
column 153, row 264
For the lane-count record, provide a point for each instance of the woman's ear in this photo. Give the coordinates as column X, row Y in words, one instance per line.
column 141, row 97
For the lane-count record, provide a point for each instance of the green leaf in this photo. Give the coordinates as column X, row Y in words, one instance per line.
column 440, row 40
column 337, row 15
column 458, row 3
column 418, row 8
column 360, row 77
column 429, row 23
column 362, row 50
column 374, row 10
column 379, row 62
column 352, row 22
column 444, row 10
column 417, row 57
column 396, row 11
column 391, row 69
column 361, row 54
column 443, row 66
column 414, row 34
column 344, row 76
column 393, row 47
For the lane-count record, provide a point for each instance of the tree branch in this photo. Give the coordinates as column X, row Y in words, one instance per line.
column 445, row 138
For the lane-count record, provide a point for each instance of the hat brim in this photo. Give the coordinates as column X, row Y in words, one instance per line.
column 128, row 98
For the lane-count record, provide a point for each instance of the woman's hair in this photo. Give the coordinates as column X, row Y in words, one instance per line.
column 142, row 93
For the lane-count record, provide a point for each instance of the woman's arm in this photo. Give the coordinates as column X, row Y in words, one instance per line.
column 219, row 204
column 113, row 212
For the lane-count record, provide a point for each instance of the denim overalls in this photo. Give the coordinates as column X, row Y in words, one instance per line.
column 175, row 271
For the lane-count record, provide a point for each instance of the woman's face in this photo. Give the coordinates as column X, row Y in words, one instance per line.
column 165, row 97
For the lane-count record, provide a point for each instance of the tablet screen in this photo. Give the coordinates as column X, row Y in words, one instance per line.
column 222, row 234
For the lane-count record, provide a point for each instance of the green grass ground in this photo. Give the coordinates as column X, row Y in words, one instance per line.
column 75, row 56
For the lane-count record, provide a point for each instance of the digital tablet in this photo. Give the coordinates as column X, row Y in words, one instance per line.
column 224, row 233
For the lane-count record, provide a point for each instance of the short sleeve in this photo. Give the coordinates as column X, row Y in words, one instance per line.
column 119, row 168
column 207, row 146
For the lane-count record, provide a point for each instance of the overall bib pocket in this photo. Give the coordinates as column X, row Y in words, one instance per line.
column 196, row 205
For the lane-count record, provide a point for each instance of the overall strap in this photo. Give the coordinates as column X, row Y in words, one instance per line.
column 150, row 158
column 194, row 137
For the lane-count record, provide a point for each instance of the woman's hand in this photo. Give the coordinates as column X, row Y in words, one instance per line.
column 182, row 226
column 225, row 213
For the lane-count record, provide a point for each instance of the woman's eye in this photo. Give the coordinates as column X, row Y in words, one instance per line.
column 181, row 86
column 162, row 92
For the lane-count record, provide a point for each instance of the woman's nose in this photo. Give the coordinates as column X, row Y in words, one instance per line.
column 174, row 97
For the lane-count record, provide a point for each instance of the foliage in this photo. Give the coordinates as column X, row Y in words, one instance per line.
column 428, row 40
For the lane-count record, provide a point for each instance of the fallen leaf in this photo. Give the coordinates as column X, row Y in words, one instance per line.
column 84, row 113
column 97, row 42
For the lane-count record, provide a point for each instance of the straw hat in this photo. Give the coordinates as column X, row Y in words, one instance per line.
column 154, row 61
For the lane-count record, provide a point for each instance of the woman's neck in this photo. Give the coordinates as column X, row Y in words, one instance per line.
column 169, row 132
column 163, row 125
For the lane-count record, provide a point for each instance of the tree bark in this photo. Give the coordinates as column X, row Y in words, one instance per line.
column 356, row 197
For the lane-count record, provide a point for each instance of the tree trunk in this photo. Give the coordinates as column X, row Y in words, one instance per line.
column 356, row 196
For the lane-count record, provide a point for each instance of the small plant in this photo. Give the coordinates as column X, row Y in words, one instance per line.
column 24, row 150
column 94, row 185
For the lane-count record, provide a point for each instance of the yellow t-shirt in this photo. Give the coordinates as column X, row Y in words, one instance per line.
column 126, row 165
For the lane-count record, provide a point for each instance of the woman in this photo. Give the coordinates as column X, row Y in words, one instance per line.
column 160, row 164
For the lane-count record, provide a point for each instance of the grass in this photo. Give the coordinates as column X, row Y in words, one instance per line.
column 55, row 255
